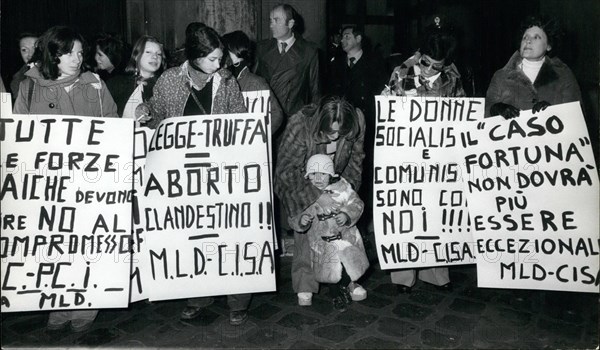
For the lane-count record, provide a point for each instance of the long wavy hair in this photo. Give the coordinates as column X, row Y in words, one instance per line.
column 55, row 42
column 335, row 109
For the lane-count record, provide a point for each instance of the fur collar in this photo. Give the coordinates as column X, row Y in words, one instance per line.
column 547, row 75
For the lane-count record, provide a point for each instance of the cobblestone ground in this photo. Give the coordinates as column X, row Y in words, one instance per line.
column 467, row 317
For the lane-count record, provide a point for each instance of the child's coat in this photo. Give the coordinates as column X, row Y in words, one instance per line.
column 328, row 257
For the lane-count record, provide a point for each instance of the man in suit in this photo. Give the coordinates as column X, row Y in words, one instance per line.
column 359, row 75
column 289, row 63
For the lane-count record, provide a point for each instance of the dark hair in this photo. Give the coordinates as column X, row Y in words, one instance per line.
column 26, row 35
column 239, row 44
column 357, row 30
column 439, row 45
column 192, row 27
column 291, row 13
column 55, row 42
column 335, row 109
column 550, row 26
column 114, row 48
column 138, row 51
column 201, row 41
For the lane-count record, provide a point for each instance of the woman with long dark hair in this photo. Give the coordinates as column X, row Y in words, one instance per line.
column 57, row 84
column 199, row 86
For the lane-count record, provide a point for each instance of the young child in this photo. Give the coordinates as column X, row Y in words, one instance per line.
column 337, row 251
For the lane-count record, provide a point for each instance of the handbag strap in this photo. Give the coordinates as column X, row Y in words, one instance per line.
column 196, row 100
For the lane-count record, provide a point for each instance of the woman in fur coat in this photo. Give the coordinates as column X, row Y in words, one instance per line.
column 531, row 79
column 337, row 129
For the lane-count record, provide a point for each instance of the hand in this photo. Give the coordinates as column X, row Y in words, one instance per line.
column 505, row 110
column 342, row 219
column 306, row 219
column 540, row 106
column 142, row 113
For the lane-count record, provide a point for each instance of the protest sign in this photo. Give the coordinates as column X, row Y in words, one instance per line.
column 66, row 212
column 5, row 105
column 207, row 207
column 532, row 188
column 139, row 256
column 419, row 209
column 260, row 102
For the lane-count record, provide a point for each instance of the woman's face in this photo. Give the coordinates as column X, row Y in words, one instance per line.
column 429, row 66
column 534, row 44
column 103, row 61
column 211, row 63
column 234, row 59
column 26, row 47
column 70, row 63
column 335, row 132
column 151, row 59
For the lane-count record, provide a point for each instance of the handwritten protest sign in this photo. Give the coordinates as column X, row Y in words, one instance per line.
column 66, row 212
column 207, row 207
column 139, row 257
column 420, row 211
column 260, row 102
column 5, row 105
column 532, row 189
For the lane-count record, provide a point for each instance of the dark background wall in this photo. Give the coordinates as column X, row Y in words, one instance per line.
column 488, row 30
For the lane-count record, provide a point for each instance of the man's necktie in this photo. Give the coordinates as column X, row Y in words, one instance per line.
column 351, row 63
column 283, row 47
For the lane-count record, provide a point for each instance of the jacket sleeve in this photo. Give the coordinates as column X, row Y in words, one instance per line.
column 494, row 93
column 20, row 106
column 235, row 99
column 109, row 107
column 276, row 113
column 295, row 192
column 570, row 89
column 459, row 91
column 353, row 207
column 158, row 101
column 315, row 85
column 353, row 171
column 294, row 221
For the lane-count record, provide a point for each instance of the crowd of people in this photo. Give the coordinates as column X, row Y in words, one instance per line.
column 323, row 134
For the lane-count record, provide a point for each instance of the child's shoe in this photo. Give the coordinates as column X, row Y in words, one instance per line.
column 339, row 303
column 305, row 299
column 357, row 292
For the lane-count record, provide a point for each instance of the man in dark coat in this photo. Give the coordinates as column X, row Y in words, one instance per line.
column 359, row 75
column 289, row 63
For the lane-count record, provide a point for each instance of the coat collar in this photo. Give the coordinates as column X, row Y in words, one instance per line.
column 83, row 78
column 547, row 74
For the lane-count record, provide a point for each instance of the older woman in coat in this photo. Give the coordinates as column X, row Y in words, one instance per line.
column 531, row 79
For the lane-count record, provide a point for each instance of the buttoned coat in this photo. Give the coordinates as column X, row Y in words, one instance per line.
column 293, row 76
column 359, row 84
column 327, row 257
column 88, row 96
